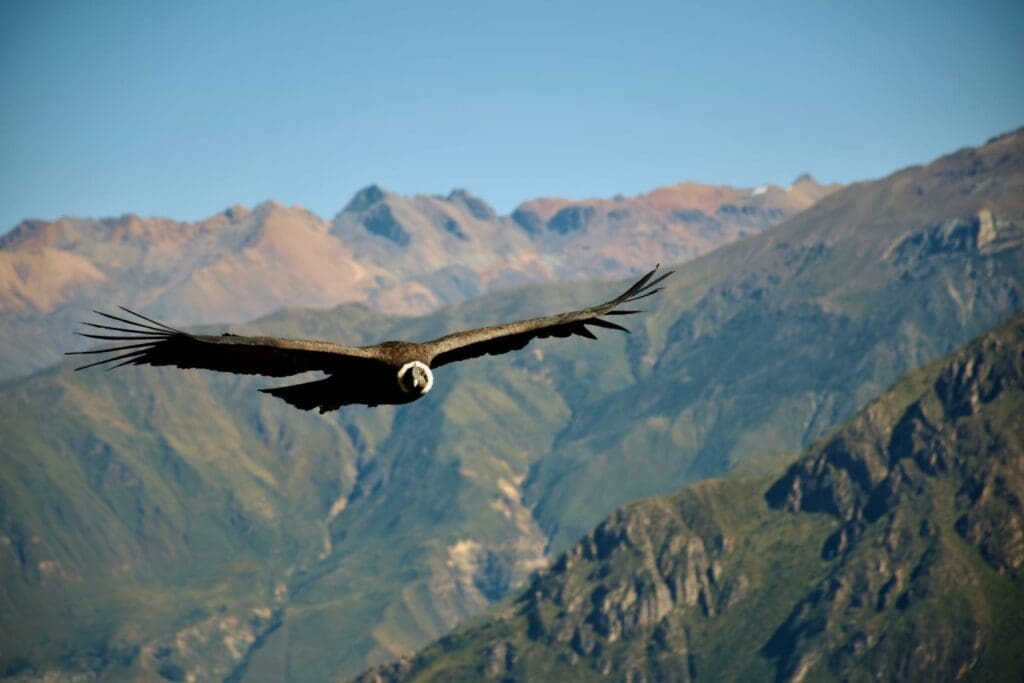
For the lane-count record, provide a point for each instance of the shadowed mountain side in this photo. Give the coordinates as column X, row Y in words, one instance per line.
column 892, row 550
column 405, row 255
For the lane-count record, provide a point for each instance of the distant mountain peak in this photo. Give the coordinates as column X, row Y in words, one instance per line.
column 458, row 194
column 476, row 206
column 22, row 232
column 1009, row 135
column 267, row 207
column 365, row 198
column 236, row 212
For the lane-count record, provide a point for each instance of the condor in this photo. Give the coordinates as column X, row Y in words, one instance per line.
column 392, row 372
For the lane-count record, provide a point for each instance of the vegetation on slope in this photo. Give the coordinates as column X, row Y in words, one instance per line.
column 892, row 550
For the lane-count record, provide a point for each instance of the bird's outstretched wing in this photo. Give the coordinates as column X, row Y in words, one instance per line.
column 512, row 336
column 138, row 340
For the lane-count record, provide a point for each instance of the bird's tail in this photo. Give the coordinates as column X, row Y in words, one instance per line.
column 323, row 394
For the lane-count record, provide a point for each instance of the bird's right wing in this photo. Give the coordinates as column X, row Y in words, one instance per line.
column 138, row 340
column 499, row 339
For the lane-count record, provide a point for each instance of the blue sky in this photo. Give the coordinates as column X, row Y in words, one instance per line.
column 183, row 108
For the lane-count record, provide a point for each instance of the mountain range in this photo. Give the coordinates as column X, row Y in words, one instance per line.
column 891, row 550
column 401, row 255
column 170, row 523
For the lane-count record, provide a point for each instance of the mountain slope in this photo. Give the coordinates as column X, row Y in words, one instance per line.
column 717, row 372
column 400, row 254
column 764, row 344
column 892, row 550
column 393, row 525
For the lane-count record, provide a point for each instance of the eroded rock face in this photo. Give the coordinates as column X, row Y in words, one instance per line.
column 571, row 219
column 381, row 221
column 984, row 232
column 675, row 570
column 866, row 470
column 962, row 434
column 585, row 607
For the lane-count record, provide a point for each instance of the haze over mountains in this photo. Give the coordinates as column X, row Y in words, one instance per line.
column 191, row 526
column 401, row 255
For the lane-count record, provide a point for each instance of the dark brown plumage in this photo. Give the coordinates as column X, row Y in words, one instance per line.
column 392, row 372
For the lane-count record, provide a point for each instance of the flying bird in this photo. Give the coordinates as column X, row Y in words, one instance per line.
column 392, row 372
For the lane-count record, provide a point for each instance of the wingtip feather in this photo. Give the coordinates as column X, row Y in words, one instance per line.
column 608, row 324
column 111, row 360
column 150, row 320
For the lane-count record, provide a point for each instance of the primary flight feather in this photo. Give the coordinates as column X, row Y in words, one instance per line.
column 392, row 372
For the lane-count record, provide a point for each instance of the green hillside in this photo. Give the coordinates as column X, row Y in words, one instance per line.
column 764, row 345
column 892, row 550
column 179, row 522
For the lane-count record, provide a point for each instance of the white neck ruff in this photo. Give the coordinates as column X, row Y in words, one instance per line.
column 426, row 368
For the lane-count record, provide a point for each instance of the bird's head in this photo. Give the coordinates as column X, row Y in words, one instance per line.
column 415, row 378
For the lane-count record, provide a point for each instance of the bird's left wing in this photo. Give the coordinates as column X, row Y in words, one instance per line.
column 512, row 336
column 138, row 340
